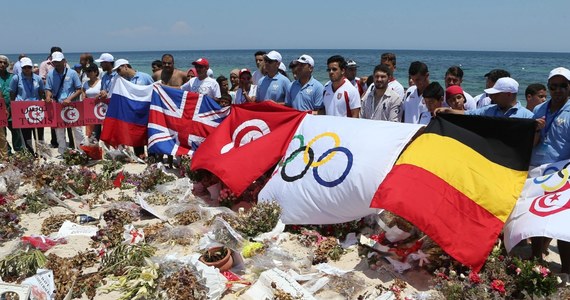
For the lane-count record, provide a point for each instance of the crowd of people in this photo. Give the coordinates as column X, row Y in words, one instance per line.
column 379, row 96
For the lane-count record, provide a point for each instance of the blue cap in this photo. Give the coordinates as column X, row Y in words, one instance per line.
column 77, row 66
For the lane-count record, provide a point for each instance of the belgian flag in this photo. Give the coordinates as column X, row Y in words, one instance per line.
column 459, row 181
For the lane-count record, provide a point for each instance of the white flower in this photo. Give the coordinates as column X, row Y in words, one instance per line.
column 558, row 280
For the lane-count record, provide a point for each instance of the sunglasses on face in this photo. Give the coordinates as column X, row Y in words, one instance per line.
column 554, row 86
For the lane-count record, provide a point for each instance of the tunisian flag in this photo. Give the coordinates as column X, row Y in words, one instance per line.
column 249, row 142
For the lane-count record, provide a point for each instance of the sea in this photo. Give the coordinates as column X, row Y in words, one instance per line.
column 525, row 67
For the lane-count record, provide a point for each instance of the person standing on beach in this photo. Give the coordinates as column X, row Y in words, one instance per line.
column 124, row 69
column 28, row 86
column 305, row 93
column 350, row 74
column 389, row 59
column 504, row 97
column 203, row 84
column 46, row 66
column 106, row 61
column 413, row 106
column 535, row 94
column 433, row 97
column 63, row 86
column 5, row 79
column 553, row 145
column 246, row 91
column 156, row 66
column 17, row 68
column 273, row 86
column 381, row 102
column 454, row 76
column 169, row 75
column 340, row 98
column 483, row 99
column 260, row 72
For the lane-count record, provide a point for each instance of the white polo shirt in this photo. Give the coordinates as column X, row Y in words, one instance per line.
column 340, row 102
column 208, row 86
column 413, row 106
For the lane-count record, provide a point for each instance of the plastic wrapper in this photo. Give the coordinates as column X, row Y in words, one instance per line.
column 182, row 235
column 209, row 277
column 132, row 235
column 184, row 214
column 42, row 242
column 9, row 181
column 130, row 207
column 276, row 257
column 222, row 233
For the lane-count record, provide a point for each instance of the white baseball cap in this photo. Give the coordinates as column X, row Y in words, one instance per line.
column 351, row 64
column 560, row 71
column 504, row 85
column 282, row 67
column 274, row 55
column 306, row 59
column 26, row 61
column 119, row 62
column 57, row 56
column 107, row 57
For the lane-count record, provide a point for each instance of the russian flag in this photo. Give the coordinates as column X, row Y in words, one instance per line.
column 127, row 115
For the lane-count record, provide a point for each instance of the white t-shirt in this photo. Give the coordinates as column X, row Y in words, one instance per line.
column 208, row 86
column 336, row 102
column 413, row 106
column 239, row 94
column 92, row 92
column 397, row 87
column 482, row 100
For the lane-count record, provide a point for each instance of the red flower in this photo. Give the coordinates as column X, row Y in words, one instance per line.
column 498, row 285
column 474, row 277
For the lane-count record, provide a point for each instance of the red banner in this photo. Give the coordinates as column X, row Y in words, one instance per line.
column 94, row 110
column 70, row 115
column 31, row 114
column 3, row 114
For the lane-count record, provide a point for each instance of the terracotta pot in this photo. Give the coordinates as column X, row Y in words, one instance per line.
column 223, row 264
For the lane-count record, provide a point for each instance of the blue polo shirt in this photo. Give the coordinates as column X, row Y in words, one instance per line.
column 106, row 81
column 554, row 142
column 275, row 88
column 54, row 80
column 141, row 78
column 27, row 88
column 517, row 111
column 306, row 97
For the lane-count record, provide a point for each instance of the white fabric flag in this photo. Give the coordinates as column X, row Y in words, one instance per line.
column 333, row 166
column 543, row 208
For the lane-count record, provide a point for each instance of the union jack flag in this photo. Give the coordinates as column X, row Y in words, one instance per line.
column 180, row 120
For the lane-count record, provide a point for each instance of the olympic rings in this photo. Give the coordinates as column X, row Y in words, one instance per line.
column 309, row 160
column 344, row 174
column 299, row 176
column 319, row 162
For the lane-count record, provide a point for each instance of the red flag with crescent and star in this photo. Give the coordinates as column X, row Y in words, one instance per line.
column 95, row 110
column 69, row 115
column 32, row 114
column 251, row 140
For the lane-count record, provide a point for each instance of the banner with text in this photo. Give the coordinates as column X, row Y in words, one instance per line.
column 70, row 115
column 94, row 110
column 33, row 114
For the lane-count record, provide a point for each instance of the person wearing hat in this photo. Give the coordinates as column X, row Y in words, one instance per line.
column 246, row 91
column 202, row 83
column 381, row 102
column 17, row 139
column 273, row 86
column 63, row 86
column 124, row 69
column 491, row 77
column 504, row 96
column 351, row 69
column 168, row 74
column 305, row 93
column 553, row 145
column 29, row 87
column 106, row 62
column 455, row 97
column 234, row 81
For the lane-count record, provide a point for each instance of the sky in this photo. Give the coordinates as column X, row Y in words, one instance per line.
column 104, row 25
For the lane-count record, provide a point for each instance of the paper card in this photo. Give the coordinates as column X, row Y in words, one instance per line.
column 43, row 285
column 144, row 205
column 69, row 229
column 395, row 234
column 23, row 291
column 365, row 241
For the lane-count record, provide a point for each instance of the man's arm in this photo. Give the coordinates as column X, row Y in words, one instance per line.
column 448, row 110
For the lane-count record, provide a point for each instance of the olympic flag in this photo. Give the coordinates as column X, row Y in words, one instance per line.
column 333, row 166
column 544, row 206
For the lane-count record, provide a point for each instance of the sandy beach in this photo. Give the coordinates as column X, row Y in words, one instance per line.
column 365, row 281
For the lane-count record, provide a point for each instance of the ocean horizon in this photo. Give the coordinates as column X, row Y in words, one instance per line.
column 525, row 67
